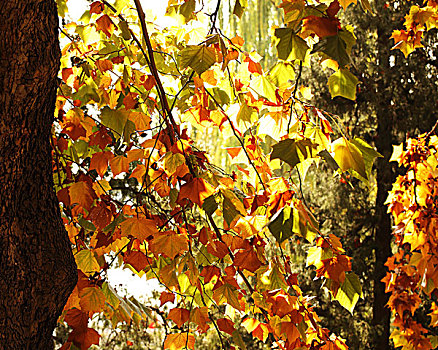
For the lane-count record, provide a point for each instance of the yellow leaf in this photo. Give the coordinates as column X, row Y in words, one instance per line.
column 348, row 156
column 179, row 341
column 86, row 262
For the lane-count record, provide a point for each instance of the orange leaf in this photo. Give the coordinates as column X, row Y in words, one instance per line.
column 129, row 100
column 92, row 299
column 321, row 26
column 166, row 297
column 179, row 316
column 96, row 7
column 119, row 165
column 196, row 190
column 104, row 65
column 139, row 228
column 247, row 259
column 137, row 260
column 84, row 338
column 199, row 316
column 99, row 162
column 169, row 243
column 105, row 24
column 179, row 341
column 82, row 194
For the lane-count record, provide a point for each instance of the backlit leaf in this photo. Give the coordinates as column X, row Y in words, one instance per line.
column 86, row 261
column 343, row 83
column 178, row 341
column 349, row 292
column 199, row 58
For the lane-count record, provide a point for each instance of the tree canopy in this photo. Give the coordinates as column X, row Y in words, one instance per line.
column 138, row 190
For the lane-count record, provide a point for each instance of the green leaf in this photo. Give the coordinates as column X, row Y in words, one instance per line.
column 110, row 295
column 349, row 292
column 290, row 46
column 62, row 7
column 88, row 225
column 187, row 9
column 232, row 206
column 114, row 120
column 246, row 115
column 86, row 261
column 210, row 205
column 293, row 152
column 200, row 58
column 237, row 338
column 282, row 73
column 263, row 87
column 334, row 47
column 126, row 34
column 343, row 83
column 369, row 154
column 239, row 7
column 281, row 224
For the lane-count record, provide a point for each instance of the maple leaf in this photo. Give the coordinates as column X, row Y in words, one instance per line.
column 119, row 164
column 196, row 190
column 226, row 325
column 86, row 261
column 99, row 162
column 166, row 296
column 82, row 193
column 178, row 341
column 227, row 294
column 139, row 228
column 247, row 259
column 138, row 260
column 92, row 299
column 169, row 243
column 200, row 58
column 200, row 316
column 84, row 338
column 96, row 7
column 106, row 25
column 179, row 316
column 321, row 26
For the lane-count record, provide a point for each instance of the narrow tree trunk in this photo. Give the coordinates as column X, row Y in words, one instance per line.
column 385, row 177
column 37, row 268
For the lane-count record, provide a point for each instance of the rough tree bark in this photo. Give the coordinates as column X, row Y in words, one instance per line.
column 384, row 179
column 37, row 268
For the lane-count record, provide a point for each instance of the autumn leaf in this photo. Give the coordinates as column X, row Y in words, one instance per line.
column 200, row 58
column 200, row 316
column 166, row 296
column 343, row 83
column 179, row 316
column 321, row 26
column 92, row 299
column 138, row 260
column 99, row 162
column 169, row 243
column 84, row 338
column 196, row 190
column 227, row 294
column 87, row 262
column 105, row 24
column 178, row 341
column 348, row 156
column 139, row 228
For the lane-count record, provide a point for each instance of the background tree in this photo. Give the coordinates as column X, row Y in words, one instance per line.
column 38, row 271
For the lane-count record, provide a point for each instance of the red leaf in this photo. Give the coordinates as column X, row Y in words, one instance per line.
column 100, row 138
column 105, row 24
column 82, row 194
column 225, row 325
column 66, row 72
column 96, row 7
column 100, row 215
column 166, row 297
column 84, row 338
column 137, row 260
column 247, row 259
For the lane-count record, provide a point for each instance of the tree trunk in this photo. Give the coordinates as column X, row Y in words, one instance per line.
column 384, row 178
column 37, row 268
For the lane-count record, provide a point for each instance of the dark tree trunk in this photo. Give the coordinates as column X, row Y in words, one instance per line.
column 384, row 178
column 37, row 268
